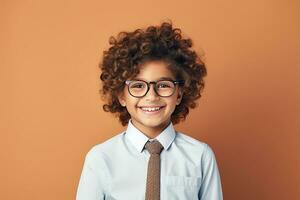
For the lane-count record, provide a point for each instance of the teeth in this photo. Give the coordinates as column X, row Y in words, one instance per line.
column 150, row 109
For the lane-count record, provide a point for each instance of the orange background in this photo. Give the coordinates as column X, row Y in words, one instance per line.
column 51, row 111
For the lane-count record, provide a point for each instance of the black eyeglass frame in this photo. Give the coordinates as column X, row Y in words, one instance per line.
column 177, row 82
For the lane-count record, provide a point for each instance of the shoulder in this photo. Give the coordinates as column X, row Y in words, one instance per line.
column 184, row 139
column 194, row 144
column 101, row 150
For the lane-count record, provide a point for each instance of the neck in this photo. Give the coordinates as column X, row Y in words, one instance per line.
column 151, row 132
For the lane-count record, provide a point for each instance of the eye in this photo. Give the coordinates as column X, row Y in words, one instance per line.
column 165, row 84
column 137, row 85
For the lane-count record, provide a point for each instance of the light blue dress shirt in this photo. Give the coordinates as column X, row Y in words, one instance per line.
column 117, row 168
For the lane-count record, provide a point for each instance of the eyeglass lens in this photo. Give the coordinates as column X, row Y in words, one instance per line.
column 140, row 88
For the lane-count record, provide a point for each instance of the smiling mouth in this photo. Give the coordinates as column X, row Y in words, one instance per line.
column 151, row 109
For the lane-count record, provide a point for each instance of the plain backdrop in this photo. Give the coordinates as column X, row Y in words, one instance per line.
column 51, row 111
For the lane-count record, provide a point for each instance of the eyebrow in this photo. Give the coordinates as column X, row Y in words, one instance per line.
column 160, row 79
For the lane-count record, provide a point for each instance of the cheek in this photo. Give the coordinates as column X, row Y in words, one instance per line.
column 131, row 103
column 175, row 98
column 172, row 102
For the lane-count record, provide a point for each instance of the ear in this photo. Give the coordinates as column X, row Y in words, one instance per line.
column 122, row 99
column 179, row 96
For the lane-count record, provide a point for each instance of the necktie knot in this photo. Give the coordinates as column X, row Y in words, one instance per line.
column 154, row 147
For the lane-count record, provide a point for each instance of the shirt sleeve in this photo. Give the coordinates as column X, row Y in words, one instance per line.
column 92, row 180
column 211, row 188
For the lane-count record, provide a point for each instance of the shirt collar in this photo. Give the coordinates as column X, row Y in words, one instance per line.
column 139, row 139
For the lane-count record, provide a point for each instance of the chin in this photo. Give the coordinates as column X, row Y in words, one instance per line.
column 154, row 123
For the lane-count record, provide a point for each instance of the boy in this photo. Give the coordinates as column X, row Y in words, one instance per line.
column 151, row 78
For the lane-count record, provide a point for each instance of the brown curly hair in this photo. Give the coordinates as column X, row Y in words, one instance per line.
column 129, row 50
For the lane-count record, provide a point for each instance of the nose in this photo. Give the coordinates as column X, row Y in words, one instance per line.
column 151, row 94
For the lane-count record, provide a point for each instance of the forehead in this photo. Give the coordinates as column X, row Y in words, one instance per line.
column 155, row 70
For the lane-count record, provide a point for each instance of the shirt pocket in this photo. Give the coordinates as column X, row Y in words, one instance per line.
column 182, row 187
column 183, row 181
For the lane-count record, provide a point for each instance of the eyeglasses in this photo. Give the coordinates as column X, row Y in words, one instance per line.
column 163, row 88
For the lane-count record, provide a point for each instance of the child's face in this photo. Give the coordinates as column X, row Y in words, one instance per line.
column 151, row 121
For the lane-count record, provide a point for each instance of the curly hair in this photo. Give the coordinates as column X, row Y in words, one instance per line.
column 129, row 50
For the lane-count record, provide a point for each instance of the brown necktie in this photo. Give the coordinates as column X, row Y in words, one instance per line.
column 153, row 174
